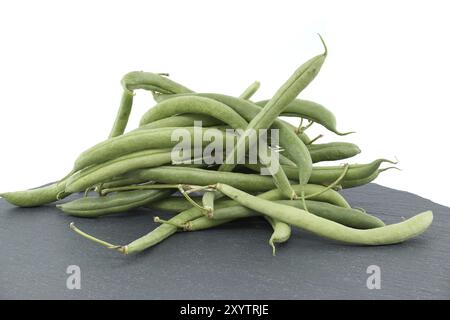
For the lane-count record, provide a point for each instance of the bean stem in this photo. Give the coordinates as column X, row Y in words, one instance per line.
column 92, row 238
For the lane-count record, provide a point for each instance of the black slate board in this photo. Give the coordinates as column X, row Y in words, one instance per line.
column 230, row 262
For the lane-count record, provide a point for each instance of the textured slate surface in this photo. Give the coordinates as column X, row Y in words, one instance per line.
column 229, row 262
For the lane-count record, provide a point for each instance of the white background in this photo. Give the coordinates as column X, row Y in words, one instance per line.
column 386, row 75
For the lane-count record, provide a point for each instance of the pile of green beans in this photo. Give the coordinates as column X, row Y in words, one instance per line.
column 135, row 169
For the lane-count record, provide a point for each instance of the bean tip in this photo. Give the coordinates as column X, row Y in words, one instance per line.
column 344, row 133
column 324, row 44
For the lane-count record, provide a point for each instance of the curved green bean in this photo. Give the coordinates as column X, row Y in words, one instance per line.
column 281, row 232
column 153, row 82
column 312, row 111
column 194, row 104
column 351, row 183
column 140, row 80
column 35, row 197
column 390, row 234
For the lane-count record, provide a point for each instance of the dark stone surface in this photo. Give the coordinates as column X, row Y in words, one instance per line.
column 230, row 262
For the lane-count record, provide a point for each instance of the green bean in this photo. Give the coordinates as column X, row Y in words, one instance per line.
column 391, row 234
column 332, row 151
column 35, row 197
column 161, row 232
column 250, row 91
column 132, row 142
column 312, row 111
column 123, row 114
column 38, row 196
column 194, row 104
column 152, row 81
column 281, row 232
column 203, row 223
column 140, row 80
column 346, row 216
column 90, row 207
column 364, row 180
column 357, row 173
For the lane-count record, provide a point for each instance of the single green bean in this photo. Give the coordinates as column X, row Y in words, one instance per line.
column 391, row 234
column 281, row 232
column 35, row 197
column 332, row 151
column 152, row 81
column 194, row 104
column 92, row 207
column 364, row 180
column 312, row 111
column 140, row 80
